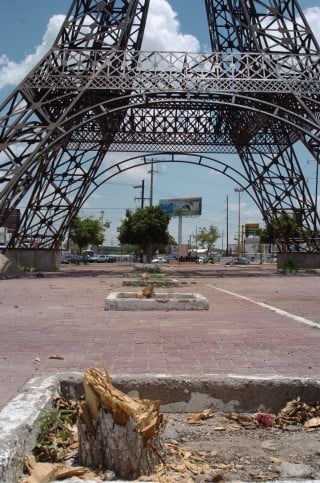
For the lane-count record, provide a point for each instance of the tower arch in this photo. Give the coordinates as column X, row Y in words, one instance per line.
column 255, row 95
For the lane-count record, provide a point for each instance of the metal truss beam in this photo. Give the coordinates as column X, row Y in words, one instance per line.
column 256, row 95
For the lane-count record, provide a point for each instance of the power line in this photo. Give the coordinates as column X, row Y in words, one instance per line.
column 142, row 197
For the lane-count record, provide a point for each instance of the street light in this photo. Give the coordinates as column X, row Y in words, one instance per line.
column 239, row 190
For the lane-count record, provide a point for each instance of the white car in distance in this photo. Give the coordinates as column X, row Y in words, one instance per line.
column 159, row 260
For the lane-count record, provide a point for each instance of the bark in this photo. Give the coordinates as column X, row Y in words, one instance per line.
column 116, row 432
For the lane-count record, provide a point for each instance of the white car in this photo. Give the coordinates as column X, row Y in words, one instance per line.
column 159, row 260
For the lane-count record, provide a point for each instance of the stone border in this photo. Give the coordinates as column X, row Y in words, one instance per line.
column 18, row 428
column 157, row 282
column 159, row 301
column 178, row 393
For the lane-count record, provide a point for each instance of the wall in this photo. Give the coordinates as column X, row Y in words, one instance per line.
column 299, row 260
column 43, row 260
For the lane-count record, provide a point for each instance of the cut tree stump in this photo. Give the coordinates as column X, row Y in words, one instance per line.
column 117, row 432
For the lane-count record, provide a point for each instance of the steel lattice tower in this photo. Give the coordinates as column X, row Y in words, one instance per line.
column 256, row 95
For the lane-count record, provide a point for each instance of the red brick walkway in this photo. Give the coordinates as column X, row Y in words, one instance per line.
column 65, row 315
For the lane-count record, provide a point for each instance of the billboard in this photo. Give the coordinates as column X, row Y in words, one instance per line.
column 251, row 229
column 182, row 206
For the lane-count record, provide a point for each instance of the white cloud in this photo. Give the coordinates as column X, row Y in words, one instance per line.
column 11, row 73
column 163, row 30
column 134, row 174
column 162, row 33
column 313, row 17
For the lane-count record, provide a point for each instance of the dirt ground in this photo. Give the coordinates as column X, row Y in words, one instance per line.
column 230, row 447
column 223, row 448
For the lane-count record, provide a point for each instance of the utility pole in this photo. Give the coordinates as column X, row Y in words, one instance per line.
column 227, row 251
column 197, row 258
column 180, row 228
column 152, row 172
column 239, row 191
column 142, row 193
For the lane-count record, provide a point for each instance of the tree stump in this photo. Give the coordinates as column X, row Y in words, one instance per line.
column 117, row 432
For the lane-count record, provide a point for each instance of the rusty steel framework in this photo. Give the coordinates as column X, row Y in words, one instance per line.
column 256, row 95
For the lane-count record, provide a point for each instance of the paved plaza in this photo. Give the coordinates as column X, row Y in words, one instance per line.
column 259, row 322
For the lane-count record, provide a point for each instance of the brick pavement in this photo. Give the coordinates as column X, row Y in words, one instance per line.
column 65, row 315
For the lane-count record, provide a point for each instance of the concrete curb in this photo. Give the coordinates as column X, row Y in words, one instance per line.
column 18, row 428
column 159, row 301
column 157, row 282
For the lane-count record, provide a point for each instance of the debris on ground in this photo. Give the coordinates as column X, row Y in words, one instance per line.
column 145, row 276
column 56, row 356
column 297, row 412
column 214, row 446
column 264, row 419
column 198, row 418
column 46, row 472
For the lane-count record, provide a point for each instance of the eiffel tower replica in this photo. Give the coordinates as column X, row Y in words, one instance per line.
column 255, row 96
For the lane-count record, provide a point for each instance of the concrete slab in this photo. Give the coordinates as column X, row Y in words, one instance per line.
column 160, row 301
column 18, row 429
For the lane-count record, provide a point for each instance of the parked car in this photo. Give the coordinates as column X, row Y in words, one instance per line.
column 159, row 260
column 202, row 260
column 238, row 261
column 93, row 258
column 69, row 259
column 104, row 259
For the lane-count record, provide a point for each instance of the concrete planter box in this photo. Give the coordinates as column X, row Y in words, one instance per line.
column 157, row 282
column 160, row 301
column 178, row 393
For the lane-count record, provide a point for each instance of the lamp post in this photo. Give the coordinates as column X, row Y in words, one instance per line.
column 239, row 190
column 102, row 227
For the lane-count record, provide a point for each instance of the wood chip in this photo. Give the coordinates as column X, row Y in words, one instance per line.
column 197, row 418
column 221, row 466
column 276, row 460
column 262, row 476
column 312, row 423
column 45, row 472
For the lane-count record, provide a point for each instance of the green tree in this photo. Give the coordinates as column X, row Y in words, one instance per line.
column 87, row 231
column 283, row 230
column 144, row 228
column 207, row 237
column 163, row 247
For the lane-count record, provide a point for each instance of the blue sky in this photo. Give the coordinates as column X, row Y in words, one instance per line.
column 26, row 30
